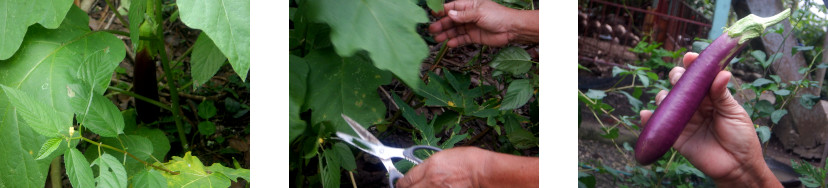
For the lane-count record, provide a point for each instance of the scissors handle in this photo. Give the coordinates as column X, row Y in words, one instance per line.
column 409, row 152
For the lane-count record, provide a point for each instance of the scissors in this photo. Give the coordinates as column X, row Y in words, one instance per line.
column 370, row 144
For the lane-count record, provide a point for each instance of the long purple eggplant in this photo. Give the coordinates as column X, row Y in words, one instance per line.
column 671, row 116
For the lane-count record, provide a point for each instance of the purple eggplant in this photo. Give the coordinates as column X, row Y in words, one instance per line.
column 671, row 116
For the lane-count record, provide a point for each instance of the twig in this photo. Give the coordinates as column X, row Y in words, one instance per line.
column 353, row 182
column 136, row 96
column 113, row 9
column 130, row 154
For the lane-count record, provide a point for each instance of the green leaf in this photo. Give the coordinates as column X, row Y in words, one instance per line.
column 808, row 101
column 764, row 133
column 761, row 82
column 50, row 146
column 330, row 172
column 111, row 172
column 453, row 139
column 596, row 94
column 772, row 59
column 207, row 109
column 587, row 180
column 39, row 116
column 18, row 15
column 227, row 23
column 94, row 111
column 205, row 60
column 344, row 86
column 385, row 29
column 513, row 59
column 419, row 122
column 136, row 145
column 759, row 56
column 345, row 156
column 137, row 10
column 522, row 139
column 20, row 143
column 206, row 128
column 149, row 178
column 158, row 139
column 796, row 49
column 96, row 71
column 298, row 88
column 518, row 93
column 634, row 102
column 610, row 133
column 80, row 175
column 231, row 173
column 49, row 60
column 777, row 115
column 192, row 173
column 435, row 5
column 782, row 92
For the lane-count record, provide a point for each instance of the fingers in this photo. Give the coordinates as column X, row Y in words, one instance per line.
column 645, row 116
column 689, row 57
column 441, row 25
column 675, row 74
column 660, row 96
column 722, row 100
column 459, row 40
column 411, row 177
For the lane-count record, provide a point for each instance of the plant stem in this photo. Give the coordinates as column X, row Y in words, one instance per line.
column 353, row 182
column 125, row 92
column 666, row 168
column 172, row 86
column 54, row 173
column 113, row 9
column 127, row 153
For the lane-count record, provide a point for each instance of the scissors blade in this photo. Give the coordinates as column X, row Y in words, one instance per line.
column 359, row 143
column 361, row 131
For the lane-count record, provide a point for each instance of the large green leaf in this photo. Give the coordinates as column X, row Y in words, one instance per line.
column 331, row 171
column 18, row 15
column 386, row 29
column 149, row 178
column 227, row 23
column 96, row 112
column 205, row 60
column 80, row 175
column 137, row 10
column 233, row 173
column 344, row 86
column 518, row 93
column 17, row 159
column 513, row 60
column 48, row 62
column 41, row 117
column 111, row 172
column 298, row 89
column 192, row 173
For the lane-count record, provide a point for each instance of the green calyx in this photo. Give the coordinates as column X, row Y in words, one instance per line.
column 752, row 26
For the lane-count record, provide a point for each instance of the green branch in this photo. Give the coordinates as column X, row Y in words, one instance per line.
column 137, row 96
column 130, row 155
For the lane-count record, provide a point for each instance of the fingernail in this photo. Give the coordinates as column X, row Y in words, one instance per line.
column 453, row 12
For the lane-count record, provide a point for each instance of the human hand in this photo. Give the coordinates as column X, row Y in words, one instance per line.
column 483, row 22
column 455, row 167
column 472, row 167
column 720, row 139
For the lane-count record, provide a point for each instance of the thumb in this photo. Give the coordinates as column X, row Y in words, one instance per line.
column 722, row 100
column 465, row 16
